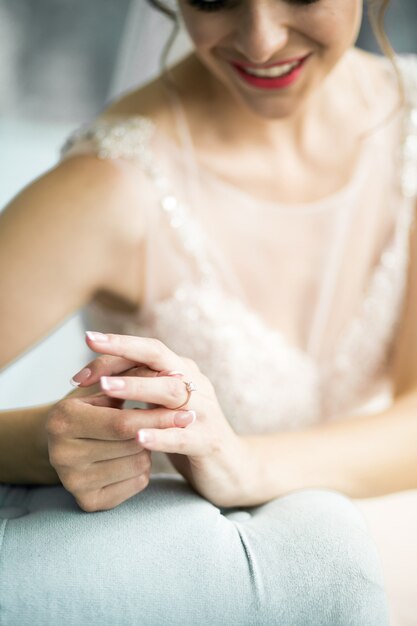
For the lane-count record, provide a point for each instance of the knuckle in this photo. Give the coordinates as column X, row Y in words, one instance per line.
column 53, row 424
column 122, row 428
column 88, row 503
column 58, row 456
column 72, row 482
column 143, row 481
column 59, row 419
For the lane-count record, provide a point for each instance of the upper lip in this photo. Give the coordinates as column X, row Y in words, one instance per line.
column 268, row 65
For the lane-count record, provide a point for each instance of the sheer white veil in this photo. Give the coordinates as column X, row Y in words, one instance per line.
column 148, row 35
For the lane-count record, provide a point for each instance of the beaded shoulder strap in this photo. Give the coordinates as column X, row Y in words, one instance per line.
column 129, row 138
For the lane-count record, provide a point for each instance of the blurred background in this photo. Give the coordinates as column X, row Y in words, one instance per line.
column 61, row 61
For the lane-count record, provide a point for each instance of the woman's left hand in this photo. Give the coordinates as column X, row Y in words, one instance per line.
column 207, row 452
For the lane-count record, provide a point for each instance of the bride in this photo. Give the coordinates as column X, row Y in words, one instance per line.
column 240, row 230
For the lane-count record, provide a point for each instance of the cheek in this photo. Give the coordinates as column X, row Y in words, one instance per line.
column 204, row 32
column 335, row 25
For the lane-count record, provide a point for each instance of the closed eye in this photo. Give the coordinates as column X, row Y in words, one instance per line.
column 218, row 5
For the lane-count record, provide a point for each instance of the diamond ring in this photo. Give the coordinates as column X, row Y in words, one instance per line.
column 189, row 385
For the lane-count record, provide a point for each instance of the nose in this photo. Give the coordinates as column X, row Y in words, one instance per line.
column 261, row 32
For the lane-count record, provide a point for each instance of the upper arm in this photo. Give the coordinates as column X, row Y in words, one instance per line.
column 67, row 235
column 405, row 357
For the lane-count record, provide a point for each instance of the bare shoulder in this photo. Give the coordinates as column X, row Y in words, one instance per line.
column 376, row 64
column 149, row 101
column 378, row 79
column 154, row 102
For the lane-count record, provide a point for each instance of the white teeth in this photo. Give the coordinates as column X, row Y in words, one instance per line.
column 272, row 72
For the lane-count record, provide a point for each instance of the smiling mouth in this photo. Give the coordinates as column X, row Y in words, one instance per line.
column 281, row 75
column 272, row 72
column 276, row 71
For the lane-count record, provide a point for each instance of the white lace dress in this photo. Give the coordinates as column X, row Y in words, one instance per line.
column 290, row 310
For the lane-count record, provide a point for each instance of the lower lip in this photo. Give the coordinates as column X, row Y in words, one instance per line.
column 272, row 83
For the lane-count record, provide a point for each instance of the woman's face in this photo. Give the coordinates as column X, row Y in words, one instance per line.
column 271, row 54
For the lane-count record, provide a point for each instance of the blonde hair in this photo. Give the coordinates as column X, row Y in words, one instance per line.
column 377, row 10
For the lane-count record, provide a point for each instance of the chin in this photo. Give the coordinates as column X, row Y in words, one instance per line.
column 272, row 110
column 276, row 107
column 273, row 105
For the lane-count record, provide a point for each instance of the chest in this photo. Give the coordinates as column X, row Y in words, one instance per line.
column 285, row 174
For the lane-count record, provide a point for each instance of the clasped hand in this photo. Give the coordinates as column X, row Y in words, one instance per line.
column 197, row 438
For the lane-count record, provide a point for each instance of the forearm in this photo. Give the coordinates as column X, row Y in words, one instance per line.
column 23, row 447
column 362, row 456
column 24, row 457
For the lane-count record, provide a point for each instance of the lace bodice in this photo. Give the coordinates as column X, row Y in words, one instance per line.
column 291, row 311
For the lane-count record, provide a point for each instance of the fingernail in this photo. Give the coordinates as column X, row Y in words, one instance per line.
column 112, row 384
column 170, row 373
column 185, row 418
column 99, row 337
column 80, row 377
column 144, row 436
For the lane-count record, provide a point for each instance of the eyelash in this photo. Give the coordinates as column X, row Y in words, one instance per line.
column 208, row 6
column 218, row 5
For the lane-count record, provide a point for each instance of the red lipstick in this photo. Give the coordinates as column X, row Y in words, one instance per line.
column 270, row 82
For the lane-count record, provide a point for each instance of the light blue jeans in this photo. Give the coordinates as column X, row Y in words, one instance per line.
column 169, row 557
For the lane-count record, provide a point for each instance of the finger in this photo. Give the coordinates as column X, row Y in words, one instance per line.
column 102, row 473
column 91, row 489
column 145, row 350
column 129, row 424
column 113, row 495
column 101, row 366
column 170, row 391
column 177, row 440
column 108, row 424
column 85, row 451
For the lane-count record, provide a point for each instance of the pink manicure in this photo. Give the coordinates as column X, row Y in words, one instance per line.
column 95, row 336
column 144, row 436
column 185, row 418
column 112, row 384
column 80, row 377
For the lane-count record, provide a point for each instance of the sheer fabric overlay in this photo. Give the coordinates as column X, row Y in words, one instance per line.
column 290, row 310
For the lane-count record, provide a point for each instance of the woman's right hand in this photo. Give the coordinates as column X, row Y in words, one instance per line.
column 92, row 447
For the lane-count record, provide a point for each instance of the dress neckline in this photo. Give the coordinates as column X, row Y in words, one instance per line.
column 185, row 150
column 343, row 193
column 357, row 176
